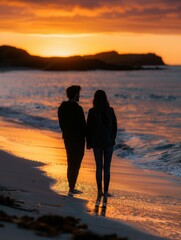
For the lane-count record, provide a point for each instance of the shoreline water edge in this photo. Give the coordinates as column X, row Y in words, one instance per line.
column 141, row 195
column 147, row 106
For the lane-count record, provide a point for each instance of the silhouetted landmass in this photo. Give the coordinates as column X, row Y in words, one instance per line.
column 11, row 57
column 115, row 58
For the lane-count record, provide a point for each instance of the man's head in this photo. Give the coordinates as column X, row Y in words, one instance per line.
column 73, row 92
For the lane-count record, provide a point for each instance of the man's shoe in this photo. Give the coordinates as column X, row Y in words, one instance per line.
column 76, row 191
column 70, row 194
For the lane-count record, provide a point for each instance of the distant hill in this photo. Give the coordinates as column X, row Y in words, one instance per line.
column 115, row 58
column 11, row 57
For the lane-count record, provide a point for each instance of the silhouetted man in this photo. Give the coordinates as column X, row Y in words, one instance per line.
column 73, row 125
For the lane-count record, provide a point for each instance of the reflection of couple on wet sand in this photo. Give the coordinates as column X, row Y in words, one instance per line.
column 99, row 131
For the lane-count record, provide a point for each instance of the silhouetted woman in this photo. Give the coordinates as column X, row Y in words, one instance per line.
column 101, row 134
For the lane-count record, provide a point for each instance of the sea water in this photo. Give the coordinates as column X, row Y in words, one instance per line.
column 147, row 104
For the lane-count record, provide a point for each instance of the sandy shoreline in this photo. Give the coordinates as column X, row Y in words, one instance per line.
column 27, row 183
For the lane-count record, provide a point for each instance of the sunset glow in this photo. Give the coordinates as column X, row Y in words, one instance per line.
column 61, row 28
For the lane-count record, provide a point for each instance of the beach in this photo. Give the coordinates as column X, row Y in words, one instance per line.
column 25, row 178
column 130, row 56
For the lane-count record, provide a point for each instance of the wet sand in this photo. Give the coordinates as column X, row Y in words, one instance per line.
column 146, row 200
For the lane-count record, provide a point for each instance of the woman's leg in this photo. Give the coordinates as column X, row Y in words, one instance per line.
column 98, row 155
column 107, row 164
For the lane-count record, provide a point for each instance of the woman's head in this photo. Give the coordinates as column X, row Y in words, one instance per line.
column 100, row 100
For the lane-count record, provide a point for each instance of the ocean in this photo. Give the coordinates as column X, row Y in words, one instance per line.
column 147, row 104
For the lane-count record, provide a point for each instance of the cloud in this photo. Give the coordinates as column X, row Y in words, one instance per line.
column 85, row 16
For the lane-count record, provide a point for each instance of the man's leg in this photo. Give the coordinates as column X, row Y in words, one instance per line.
column 75, row 153
column 69, row 161
column 78, row 153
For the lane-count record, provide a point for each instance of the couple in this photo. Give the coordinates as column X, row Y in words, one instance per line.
column 99, row 131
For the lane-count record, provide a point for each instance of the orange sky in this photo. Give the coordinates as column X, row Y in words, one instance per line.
column 64, row 28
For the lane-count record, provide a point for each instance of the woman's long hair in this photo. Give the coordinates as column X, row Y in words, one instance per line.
column 101, row 105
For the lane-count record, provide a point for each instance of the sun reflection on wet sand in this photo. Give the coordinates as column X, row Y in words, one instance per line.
column 142, row 198
column 30, row 144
